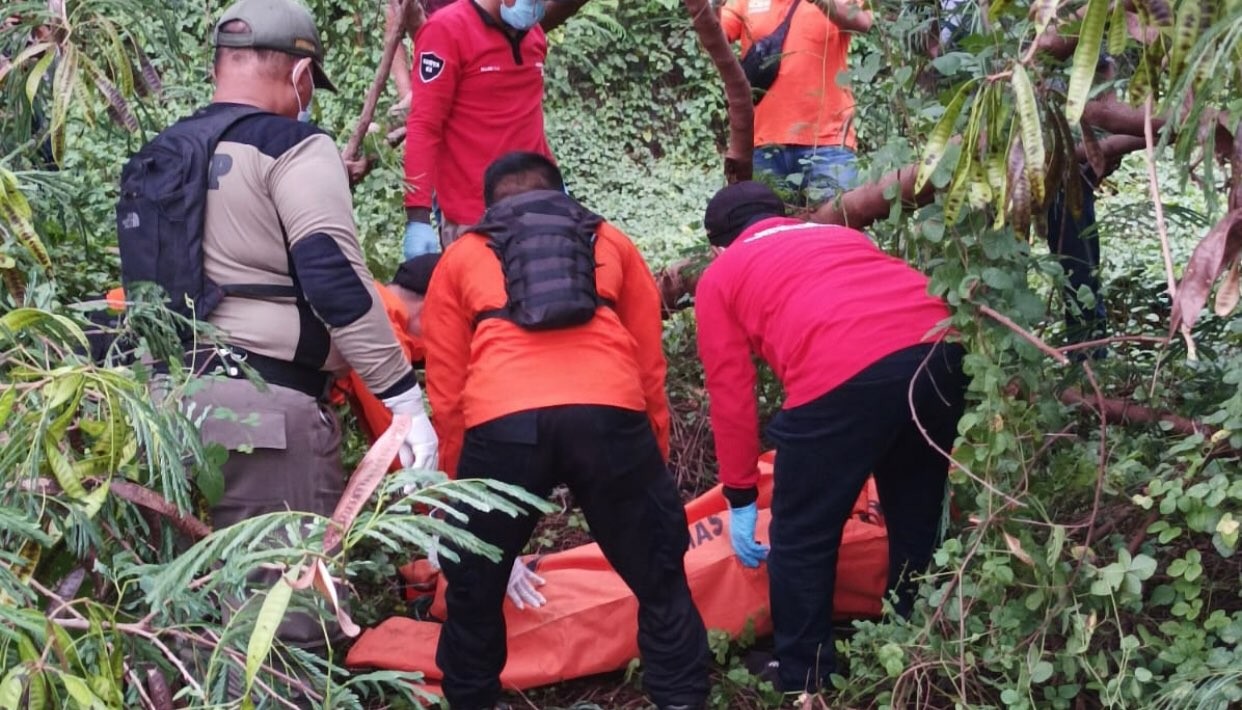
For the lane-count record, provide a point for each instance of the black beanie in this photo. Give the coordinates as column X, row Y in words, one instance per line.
column 736, row 207
column 415, row 274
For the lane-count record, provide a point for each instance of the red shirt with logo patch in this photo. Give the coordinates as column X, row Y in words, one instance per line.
column 477, row 94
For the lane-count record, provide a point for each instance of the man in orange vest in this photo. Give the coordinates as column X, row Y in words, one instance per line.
column 545, row 365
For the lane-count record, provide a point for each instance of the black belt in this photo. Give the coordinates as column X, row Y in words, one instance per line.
column 228, row 361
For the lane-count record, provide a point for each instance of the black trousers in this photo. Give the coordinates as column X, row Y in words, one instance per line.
column 612, row 464
column 825, row 450
column 1076, row 242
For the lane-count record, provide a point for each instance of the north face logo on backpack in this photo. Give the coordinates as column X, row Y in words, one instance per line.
column 545, row 242
column 430, row 66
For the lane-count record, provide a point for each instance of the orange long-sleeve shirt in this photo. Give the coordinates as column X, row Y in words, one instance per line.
column 373, row 416
column 477, row 374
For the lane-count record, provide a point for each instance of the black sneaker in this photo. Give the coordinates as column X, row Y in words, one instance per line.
column 763, row 666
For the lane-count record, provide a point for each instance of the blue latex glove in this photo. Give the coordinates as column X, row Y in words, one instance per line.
column 742, row 535
column 420, row 239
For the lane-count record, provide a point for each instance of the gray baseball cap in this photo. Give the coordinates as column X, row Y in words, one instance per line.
column 283, row 25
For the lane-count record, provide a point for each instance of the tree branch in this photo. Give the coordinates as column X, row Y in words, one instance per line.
column 392, row 40
column 1124, row 411
column 149, row 499
column 558, row 12
column 739, row 156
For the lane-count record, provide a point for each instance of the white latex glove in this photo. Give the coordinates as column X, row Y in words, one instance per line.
column 522, row 587
column 421, row 447
column 433, row 553
column 523, row 583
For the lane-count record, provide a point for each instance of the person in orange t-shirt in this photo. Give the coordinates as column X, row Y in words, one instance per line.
column 804, row 134
column 527, row 395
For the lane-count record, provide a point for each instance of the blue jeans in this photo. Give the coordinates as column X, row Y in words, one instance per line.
column 814, row 174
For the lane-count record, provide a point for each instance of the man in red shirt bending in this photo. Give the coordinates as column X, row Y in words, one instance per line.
column 858, row 345
column 477, row 94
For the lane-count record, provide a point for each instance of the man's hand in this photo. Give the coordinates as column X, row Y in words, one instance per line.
column 420, row 238
column 522, row 587
column 421, row 446
column 742, row 535
column 358, row 168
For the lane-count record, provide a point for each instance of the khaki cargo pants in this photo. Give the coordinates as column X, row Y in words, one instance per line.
column 284, row 454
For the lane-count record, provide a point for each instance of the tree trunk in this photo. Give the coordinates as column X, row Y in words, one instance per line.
column 739, row 160
column 558, row 12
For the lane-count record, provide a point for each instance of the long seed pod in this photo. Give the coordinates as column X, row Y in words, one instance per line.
column 1056, row 162
column 956, row 197
column 150, row 77
column 1158, row 10
column 15, row 284
column 1018, row 189
column 939, row 138
column 1189, row 14
column 1032, row 132
column 121, row 111
column 1086, row 56
column 1140, row 82
column 1117, row 28
column 63, row 82
column 15, row 213
column 1091, row 146
column 979, row 194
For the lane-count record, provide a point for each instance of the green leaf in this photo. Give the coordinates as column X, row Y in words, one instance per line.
column 270, row 615
column 1042, row 672
column 11, row 688
column 6, row 405
column 210, row 482
column 36, row 75
column 1143, row 567
column 1086, row 56
column 64, row 471
column 81, row 693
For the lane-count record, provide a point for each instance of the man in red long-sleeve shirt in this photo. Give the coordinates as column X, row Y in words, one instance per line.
column 477, row 93
column 857, row 342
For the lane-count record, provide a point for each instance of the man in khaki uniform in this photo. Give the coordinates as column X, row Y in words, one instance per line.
column 279, row 215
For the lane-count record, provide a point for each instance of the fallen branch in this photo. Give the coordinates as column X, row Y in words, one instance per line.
column 1124, row 411
column 149, row 499
column 739, row 156
column 1023, row 333
column 392, row 40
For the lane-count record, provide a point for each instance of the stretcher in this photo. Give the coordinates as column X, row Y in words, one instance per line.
column 589, row 624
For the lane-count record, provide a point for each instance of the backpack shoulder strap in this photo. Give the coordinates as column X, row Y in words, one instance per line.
column 793, row 8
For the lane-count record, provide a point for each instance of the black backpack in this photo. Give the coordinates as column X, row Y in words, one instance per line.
column 763, row 62
column 162, row 210
column 545, row 242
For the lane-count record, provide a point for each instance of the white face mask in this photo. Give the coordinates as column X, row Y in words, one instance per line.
column 303, row 111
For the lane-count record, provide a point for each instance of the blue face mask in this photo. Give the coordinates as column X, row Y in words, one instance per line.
column 523, row 14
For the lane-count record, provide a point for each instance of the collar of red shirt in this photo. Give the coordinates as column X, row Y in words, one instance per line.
column 769, row 223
